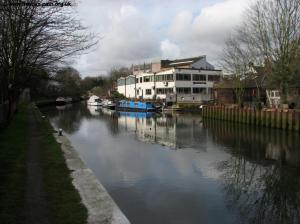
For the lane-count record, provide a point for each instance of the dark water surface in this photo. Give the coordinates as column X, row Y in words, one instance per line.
column 177, row 169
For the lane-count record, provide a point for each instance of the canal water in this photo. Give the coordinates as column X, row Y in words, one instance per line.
column 178, row 169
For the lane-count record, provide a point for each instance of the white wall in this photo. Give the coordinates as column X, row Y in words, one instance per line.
column 190, row 98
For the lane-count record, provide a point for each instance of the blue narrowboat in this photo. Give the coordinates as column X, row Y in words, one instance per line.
column 135, row 106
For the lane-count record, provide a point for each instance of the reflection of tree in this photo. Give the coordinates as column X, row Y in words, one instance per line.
column 68, row 117
column 111, row 120
column 260, row 178
column 263, row 191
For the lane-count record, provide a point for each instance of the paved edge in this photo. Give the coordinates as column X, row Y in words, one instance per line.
column 101, row 207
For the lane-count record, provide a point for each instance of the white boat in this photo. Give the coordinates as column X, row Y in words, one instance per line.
column 63, row 100
column 94, row 101
column 108, row 104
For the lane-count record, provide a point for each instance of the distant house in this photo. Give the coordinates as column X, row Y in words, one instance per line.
column 188, row 80
column 225, row 91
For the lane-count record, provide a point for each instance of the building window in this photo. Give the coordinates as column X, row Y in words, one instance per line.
column 197, row 77
column 148, row 79
column 141, row 79
column 137, row 80
column 213, row 78
column 137, row 92
column 121, row 82
column 199, row 90
column 162, row 91
column 148, row 91
column 183, row 90
column 183, row 77
column 162, row 78
column 169, row 77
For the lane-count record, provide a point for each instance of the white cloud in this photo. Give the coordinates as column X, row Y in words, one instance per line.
column 169, row 50
column 128, row 39
column 206, row 32
column 135, row 31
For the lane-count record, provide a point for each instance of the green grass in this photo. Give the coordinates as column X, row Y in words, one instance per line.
column 13, row 144
column 63, row 199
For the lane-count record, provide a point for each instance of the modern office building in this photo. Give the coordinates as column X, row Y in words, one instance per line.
column 187, row 80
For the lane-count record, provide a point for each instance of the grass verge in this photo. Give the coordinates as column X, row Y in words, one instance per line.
column 13, row 145
column 63, row 199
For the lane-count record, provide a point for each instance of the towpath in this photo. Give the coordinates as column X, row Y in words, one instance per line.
column 37, row 211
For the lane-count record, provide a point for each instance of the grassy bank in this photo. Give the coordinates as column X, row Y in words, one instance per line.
column 63, row 200
column 13, row 145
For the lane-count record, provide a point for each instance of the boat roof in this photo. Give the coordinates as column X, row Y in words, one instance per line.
column 94, row 97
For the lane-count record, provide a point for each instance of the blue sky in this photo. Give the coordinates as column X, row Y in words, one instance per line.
column 138, row 31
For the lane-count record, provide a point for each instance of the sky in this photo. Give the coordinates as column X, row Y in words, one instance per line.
column 138, row 31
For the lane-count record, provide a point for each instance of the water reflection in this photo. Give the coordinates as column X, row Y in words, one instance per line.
column 177, row 169
column 173, row 131
column 262, row 177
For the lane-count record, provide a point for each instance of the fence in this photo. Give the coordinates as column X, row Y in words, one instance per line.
column 270, row 118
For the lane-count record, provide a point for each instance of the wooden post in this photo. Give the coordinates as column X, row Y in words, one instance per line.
column 273, row 119
column 262, row 118
column 297, row 121
column 235, row 116
column 231, row 114
column 278, row 118
column 268, row 118
column 245, row 116
column 284, row 120
column 257, row 117
column 253, row 116
column 291, row 115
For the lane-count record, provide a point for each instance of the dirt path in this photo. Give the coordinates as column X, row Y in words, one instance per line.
column 37, row 211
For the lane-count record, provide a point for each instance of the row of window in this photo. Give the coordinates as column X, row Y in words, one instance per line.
column 179, row 77
column 189, row 90
column 164, row 91
column 161, row 91
column 162, row 78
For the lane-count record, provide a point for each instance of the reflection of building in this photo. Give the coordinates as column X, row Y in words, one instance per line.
column 187, row 80
column 173, row 132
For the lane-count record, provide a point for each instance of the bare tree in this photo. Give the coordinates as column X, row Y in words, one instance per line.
column 269, row 36
column 236, row 60
column 34, row 37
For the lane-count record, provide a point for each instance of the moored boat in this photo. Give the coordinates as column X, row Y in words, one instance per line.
column 135, row 106
column 94, row 101
column 63, row 100
column 109, row 104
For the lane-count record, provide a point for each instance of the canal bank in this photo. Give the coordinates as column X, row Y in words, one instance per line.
column 43, row 181
column 270, row 118
column 101, row 208
column 35, row 184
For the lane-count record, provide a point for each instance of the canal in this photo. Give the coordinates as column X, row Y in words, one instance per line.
column 178, row 169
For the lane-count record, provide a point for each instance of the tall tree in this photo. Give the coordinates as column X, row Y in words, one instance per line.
column 269, row 36
column 272, row 29
column 33, row 37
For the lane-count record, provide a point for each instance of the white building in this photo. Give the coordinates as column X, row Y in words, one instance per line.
column 184, row 81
